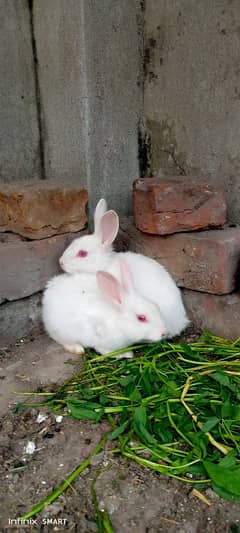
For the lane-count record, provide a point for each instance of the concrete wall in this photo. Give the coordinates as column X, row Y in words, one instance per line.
column 89, row 63
column 60, row 49
column 19, row 133
column 192, row 95
column 113, row 33
column 71, row 93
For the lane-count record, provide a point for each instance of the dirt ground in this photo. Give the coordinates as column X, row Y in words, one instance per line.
column 137, row 500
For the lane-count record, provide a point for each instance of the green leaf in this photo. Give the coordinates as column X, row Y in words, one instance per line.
column 172, row 387
column 85, row 392
column 123, row 416
column 162, row 433
column 226, row 410
column 221, row 378
column 147, row 386
column 229, row 460
column 135, row 395
column 192, row 354
column 103, row 399
column 200, row 441
column 89, row 405
column 210, row 424
column 205, row 337
column 118, row 431
column 197, row 469
column 236, row 412
column 19, row 408
column 126, row 380
column 187, row 349
column 82, row 413
column 224, row 478
column 143, row 433
column 140, row 415
column 85, row 414
column 225, row 494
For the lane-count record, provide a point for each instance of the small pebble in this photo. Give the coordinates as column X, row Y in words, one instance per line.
column 96, row 459
column 41, row 418
column 30, row 447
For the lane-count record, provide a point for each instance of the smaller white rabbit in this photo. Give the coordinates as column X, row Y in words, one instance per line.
column 94, row 252
column 97, row 311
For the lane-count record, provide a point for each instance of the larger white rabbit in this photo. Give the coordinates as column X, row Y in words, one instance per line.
column 94, row 252
column 97, row 311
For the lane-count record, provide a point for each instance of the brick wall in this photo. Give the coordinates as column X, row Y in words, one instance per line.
column 41, row 216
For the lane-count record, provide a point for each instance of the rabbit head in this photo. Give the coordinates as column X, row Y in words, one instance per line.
column 89, row 253
column 139, row 319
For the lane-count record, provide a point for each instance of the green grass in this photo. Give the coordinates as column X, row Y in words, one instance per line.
column 173, row 408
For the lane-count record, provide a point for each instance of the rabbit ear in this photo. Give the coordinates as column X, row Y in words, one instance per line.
column 108, row 228
column 100, row 209
column 109, row 287
column 126, row 275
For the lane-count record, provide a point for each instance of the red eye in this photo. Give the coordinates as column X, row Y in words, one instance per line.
column 142, row 318
column 82, row 253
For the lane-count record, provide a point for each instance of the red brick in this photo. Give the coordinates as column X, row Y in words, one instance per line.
column 218, row 314
column 204, row 261
column 169, row 205
column 42, row 208
column 26, row 266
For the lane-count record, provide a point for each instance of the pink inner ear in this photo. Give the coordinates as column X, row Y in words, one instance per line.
column 109, row 226
column 109, row 287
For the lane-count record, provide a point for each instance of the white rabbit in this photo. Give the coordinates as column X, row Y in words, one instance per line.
column 97, row 311
column 94, row 252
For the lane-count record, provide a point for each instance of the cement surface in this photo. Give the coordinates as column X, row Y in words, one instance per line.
column 30, row 364
column 19, row 146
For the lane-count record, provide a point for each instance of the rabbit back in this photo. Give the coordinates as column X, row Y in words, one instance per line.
column 154, row 282
column 69, row 309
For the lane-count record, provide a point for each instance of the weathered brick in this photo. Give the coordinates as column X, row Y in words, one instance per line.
column 218, row 314
column 169, row 205
column 42, row 208
column 26, row 266
column 204, row 261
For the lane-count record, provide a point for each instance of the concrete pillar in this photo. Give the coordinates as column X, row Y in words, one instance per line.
column 115, row 98
column 89, row 67
column 60, row 49
column 19, row 135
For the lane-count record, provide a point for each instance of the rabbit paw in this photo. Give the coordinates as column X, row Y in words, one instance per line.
column 124, row 355
column 77, row 349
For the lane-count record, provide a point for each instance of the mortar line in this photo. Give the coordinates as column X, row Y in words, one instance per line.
column 37, row 92
column 143, row 150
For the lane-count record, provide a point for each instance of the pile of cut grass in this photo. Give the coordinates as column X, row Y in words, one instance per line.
column 174, row 408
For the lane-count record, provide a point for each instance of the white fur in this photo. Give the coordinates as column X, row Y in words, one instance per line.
column 151, row 279
column 80, row 310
